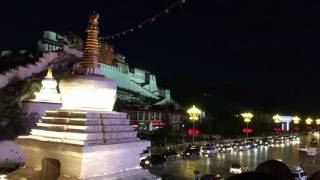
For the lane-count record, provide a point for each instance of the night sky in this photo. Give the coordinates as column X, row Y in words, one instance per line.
column 259, row 53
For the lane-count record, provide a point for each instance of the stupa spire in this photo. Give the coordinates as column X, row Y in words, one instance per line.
column 91, row 48
column 49, row 73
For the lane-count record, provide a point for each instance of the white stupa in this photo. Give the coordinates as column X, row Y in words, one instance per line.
column 48, row 98
column 48, row 91
column 84, row 139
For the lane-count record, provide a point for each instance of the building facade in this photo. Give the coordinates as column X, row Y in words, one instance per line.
column 148, row 105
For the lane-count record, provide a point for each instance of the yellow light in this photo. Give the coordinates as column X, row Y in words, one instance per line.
column 276, row 118
column 296, row 120
column 194, row 113
column 247, row 117
column 309, row 121
column 318, row 121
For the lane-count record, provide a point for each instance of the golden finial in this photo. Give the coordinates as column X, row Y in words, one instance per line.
column 49, row 73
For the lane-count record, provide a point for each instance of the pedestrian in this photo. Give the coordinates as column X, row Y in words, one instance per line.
column 196, row 174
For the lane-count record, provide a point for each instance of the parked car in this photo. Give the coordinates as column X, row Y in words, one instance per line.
column 208, row 150
column 145, row 154
column 154, row 160
column 299, row 173
column 312, row 151
column 192, row 152
column 170, row 153
column 303, row 149
column 237, row 168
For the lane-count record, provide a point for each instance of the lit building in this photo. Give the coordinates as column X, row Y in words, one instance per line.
column 137, row 89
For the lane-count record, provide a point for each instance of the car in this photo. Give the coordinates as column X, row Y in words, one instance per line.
column 303, row 149
column 208, row 150
column 153, row 160
column 145, row 154
column 226, row 147
column 237, row 168
column 312, row 151
column 192, row 152
column 299, row 173
column 170, row 153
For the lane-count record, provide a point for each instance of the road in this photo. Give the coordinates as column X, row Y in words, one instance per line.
column 220, row 163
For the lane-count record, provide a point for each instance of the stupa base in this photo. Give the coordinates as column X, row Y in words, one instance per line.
column 51, row 161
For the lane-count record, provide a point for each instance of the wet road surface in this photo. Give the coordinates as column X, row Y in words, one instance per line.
column 220, row 163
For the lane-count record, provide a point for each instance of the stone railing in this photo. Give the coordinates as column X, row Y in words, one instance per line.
column 22, row 72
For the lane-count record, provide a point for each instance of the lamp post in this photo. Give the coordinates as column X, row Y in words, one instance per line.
column 277, row 119
column 194, row 114
column 296, row 121
column 247, row 119
column 309, row 122
column 317, row 123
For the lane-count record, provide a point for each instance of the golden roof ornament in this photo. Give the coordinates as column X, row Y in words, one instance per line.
column 49, row 73
column 91, row 47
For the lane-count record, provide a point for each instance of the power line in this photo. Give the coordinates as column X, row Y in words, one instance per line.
column 150, row 20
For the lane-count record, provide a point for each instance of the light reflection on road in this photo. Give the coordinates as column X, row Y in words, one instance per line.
column 220, row 163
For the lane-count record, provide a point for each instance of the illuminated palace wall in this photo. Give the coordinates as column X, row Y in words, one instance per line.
column 131, row 82
column 114, row 66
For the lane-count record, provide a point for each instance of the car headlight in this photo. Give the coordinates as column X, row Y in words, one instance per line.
column 188, row 154
column 208, row 151
column 147, row 162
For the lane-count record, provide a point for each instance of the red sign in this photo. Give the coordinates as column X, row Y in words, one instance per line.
column 247, row 130
column 309, row 128
column 157, row 123
column 295, row 128
column 276, row 129
column 193, row 132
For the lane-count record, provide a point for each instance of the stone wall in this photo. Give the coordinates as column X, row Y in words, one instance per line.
column 10, row 152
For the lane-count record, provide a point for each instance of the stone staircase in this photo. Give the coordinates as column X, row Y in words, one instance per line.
column 84, row 128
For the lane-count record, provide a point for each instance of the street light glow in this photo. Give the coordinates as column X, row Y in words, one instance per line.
column 296, row 120
column 247, row 117
column 194, row 113
column 276, row 118
column 309, row 121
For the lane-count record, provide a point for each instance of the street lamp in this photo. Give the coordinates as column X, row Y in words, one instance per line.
column 194, row 114
column 247, row 119
column 277, row 119
column 309, row 121
column 317, row 123
column 296, row 120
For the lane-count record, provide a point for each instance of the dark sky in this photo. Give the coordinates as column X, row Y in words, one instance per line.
column 267, row 47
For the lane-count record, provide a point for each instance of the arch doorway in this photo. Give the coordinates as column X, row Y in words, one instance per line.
column 50, row 169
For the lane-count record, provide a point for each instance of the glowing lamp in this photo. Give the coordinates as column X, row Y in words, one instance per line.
column 194, row 113
column 318, row 121
column 276, row 118
column 309, row 121
column 247, row 117
column 296, row 120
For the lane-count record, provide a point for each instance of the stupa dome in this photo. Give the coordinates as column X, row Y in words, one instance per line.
column 88, row 92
